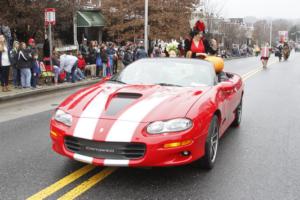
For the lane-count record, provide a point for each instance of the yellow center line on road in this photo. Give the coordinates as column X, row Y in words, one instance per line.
column 247, row 76
column 255, row 71
column 86, row 185
column 251, row 72
column 61, row 183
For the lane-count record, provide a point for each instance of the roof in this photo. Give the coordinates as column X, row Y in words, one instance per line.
column 90, row 19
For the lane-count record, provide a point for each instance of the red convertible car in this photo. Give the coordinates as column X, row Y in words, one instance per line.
column 155, row 112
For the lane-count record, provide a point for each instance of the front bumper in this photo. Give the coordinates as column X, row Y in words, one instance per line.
column 156, row 155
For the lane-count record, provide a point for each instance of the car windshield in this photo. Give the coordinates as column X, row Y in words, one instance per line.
column 168, row 72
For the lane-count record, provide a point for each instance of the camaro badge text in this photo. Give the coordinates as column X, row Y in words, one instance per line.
column 100, row 150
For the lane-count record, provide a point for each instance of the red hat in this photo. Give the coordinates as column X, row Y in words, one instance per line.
column 200, row 26
column 31, row 41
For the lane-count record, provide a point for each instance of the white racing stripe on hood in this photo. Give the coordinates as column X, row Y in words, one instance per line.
column 82, row 158
column 116, row 163
column 124, row 128
column 82, row 94
column 89, row 118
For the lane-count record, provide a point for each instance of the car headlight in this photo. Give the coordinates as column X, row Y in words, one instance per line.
column 174, row 125
column 63, row 117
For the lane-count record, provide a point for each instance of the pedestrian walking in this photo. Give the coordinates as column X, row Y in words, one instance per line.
column 265, row 54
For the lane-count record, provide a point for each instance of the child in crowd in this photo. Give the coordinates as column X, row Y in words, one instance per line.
column 36, row 71
column 81, row 63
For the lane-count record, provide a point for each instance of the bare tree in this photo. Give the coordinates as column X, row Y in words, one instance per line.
column 262, row 30
column 167, row 18
column 26, row 18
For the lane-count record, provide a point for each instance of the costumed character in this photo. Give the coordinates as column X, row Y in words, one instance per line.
column 197, row 46
column 265, row 54
column 200, row 26
column 286, row 50
column 172, row 49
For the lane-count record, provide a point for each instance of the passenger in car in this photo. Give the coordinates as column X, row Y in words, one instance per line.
column 198, row 46
column 219, row 66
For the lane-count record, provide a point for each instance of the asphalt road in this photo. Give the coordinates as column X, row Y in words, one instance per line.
column 259, row 160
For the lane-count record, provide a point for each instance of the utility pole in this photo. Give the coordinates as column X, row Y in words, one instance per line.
column 146, row 26
column 271, row 30
column 75, row 32
column 50, row 43
column 297, row 36
column 75, row 29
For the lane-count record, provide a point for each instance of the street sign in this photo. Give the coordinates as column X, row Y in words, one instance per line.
column 283, row 36
column 50, row 16
column 50, row 21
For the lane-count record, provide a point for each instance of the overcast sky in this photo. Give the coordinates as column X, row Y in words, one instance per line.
column 289, row 9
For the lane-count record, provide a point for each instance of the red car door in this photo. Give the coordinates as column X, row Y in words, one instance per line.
column 229, row 92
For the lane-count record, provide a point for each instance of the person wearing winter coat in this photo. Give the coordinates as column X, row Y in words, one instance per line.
column 36, row 71
column 25, row 65
column 5, row 63
column 34, row 53
column 141, row 53
column 69, row 64
column 81, row 62
column 104, row 58
column 128, row 57
column 14, row 62
column 84, row 49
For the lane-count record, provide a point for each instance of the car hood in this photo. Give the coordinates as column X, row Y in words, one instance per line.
column 137, row 103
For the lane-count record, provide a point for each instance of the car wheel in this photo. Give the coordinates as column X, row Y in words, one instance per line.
column 238, row 115
column 211, row 145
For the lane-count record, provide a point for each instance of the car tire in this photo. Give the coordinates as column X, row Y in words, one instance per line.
column 238, row 115
column 211, row 145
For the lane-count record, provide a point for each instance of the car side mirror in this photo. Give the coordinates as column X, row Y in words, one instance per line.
column 227, row 86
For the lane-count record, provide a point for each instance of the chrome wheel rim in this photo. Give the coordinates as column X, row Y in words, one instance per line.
column 239, row 112
column 214, row 142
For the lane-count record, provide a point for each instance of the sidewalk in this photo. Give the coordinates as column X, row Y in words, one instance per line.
column 18, row 93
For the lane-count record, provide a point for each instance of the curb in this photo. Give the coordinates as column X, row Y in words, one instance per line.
column 57, row 88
